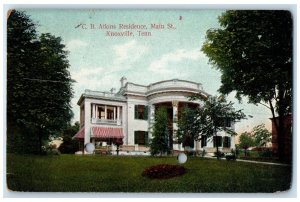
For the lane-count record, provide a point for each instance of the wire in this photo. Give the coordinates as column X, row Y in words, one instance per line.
column 45, row 80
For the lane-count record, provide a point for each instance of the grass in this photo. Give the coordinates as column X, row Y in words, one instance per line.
column 255, row 156
column 70, row 173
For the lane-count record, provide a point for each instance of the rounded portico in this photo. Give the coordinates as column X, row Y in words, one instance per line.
column 173, row 95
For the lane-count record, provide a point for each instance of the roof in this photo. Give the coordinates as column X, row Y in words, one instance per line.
column 101, row 95
column 171, row 85
column 107, row 132
column 79, row 134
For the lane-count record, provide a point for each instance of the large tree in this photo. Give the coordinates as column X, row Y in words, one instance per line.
column 253, row 51
column 216, row 115
column 187, row 129
column 38, row 85
column 160, row 132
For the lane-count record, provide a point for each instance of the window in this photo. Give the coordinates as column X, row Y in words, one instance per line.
column 82, row 116
column 203, row 141
column 217, row 141
column 141, row 137
column 141, row 112
column 110, row 113
column 228, row 122
column 226, row 142
column 101, row 112
column 224, row 122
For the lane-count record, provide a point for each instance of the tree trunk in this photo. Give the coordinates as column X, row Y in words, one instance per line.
column 280, row 128
column 279, row 125
column 218, row 155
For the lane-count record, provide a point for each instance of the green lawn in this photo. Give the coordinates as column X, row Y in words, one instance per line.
column 70, row 173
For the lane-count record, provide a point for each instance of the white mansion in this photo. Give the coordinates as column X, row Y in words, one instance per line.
column 129, row 114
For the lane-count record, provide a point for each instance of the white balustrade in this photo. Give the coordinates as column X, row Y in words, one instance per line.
column 106, row 121
column 175, row 84
column 101, row 93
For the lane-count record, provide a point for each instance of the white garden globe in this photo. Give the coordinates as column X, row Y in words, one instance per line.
column 89, row 147
column 181, row 158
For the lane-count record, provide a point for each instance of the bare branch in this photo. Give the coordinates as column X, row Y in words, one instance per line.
column 265, row 105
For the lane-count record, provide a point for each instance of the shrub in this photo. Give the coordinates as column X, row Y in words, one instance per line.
column 69, row 146
column 230, row 156
column 163, row 171
column 190, row 153
column 220, row 154
column 265, row 153
column 54, row 152
column 51, row 150
column 237, row 152
column 203, row 153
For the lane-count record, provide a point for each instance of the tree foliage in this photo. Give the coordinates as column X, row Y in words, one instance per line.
column 246, row 140
column 187, row 129
column 258, row 137
column 160, row 142
column 38, row 84
column 253, row 51
column 261, row 135
column 209, row 119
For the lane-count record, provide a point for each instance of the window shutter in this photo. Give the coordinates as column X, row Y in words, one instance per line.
column 135, row 137
column 146, row 113
column 203, row 141
column 214, row 141
column 217, row 141
column 226, row 142
column 220, row 141
column 136, row 111
column 228, row 122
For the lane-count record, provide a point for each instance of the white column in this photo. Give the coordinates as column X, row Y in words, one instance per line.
column 105, row 111
column 118, row 113
column 175, row 114
column 94, row 110
column 152, row 113
column 87, row 120
column 81, row 116
column 114, row 113
column 152, row 119
column 175, row 118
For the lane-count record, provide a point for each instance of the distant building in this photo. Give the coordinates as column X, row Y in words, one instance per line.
column 129, row 114
column 286, row 140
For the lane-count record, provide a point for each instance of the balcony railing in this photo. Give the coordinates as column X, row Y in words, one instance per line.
column 106, row 121
column 102, row 94
column 173, row 84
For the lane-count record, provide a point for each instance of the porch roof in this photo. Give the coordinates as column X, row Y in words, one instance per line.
column 79, row 134
column 107, row 132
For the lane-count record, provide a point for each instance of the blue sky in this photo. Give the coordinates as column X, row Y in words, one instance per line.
column 97, row 61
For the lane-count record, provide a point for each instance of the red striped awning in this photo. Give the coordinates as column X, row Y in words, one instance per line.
column 79, row 134
column 106, row 132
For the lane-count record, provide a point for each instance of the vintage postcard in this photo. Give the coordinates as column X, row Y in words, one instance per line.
column 149, row 100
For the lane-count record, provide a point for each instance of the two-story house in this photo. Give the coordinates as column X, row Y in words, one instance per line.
column 129, row 113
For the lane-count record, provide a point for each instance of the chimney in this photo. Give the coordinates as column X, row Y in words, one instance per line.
column 113, row 90
column 123, row 81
